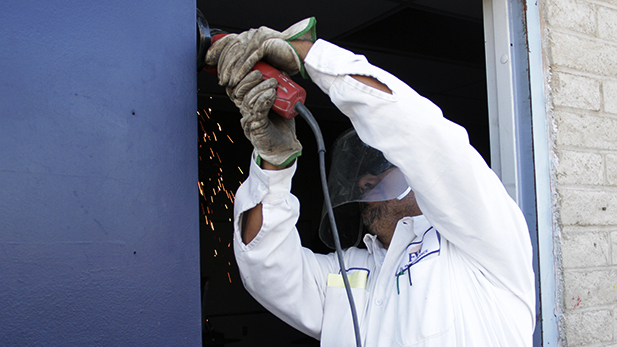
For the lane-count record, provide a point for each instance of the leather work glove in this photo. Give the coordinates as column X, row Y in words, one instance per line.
column 248, row 82
column 236, row 54
column 273, row 137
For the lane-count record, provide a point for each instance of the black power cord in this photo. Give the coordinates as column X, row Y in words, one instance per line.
column 321, row 149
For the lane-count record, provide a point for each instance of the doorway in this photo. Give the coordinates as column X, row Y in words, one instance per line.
column 435, row 46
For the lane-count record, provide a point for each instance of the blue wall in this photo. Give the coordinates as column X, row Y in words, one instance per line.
column 98, row 173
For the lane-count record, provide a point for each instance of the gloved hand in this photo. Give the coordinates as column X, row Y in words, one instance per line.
column 273, row 137
column 236, row 54
column 237, row 93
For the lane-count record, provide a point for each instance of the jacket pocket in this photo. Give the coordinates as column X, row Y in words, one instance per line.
column 337, row 326
column 425, row 312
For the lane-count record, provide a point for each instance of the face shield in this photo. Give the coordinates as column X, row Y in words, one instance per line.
column 358, row 174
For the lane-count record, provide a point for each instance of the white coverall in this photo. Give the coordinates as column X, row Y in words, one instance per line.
column 458, row 275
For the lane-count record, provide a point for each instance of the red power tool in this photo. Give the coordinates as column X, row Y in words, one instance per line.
column 288, row 93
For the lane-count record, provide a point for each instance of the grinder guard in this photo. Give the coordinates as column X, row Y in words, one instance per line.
column 204, row 39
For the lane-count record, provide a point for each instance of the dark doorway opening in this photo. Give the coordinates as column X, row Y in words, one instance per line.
column 435, row 46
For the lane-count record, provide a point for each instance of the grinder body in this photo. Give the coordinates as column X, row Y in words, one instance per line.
column 288, row 93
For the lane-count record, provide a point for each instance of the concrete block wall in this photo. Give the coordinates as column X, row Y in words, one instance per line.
column 581, row 57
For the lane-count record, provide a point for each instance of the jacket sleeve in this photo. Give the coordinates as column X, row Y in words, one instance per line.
column 455, row 189
column 280, row 274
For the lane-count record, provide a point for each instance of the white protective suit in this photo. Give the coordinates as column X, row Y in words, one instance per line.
column 458, row 275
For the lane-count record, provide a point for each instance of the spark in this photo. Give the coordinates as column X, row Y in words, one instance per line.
column 215, row 206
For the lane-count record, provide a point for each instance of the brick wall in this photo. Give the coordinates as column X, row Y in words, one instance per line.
column 581, row 55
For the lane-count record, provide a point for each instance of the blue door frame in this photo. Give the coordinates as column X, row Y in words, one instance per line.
column 99, row 234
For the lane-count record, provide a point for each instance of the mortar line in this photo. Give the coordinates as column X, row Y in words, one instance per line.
column 580, row 35
column 602, row 4
column 602, row 151
column 583, row 228
column 590, row 268
column 587, row 112
column 590, row 188
column 581, row 73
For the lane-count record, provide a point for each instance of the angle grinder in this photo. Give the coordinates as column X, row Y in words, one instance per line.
column 288, row 93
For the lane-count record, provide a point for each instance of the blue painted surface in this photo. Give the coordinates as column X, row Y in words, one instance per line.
column 98, row 174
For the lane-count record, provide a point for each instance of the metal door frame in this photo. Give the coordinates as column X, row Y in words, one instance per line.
column 518, row 136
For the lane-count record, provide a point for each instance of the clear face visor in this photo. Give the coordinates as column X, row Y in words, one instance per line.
column 388, row 185
column 358, row 174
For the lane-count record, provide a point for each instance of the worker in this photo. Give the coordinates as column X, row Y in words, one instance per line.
column 446, row 262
